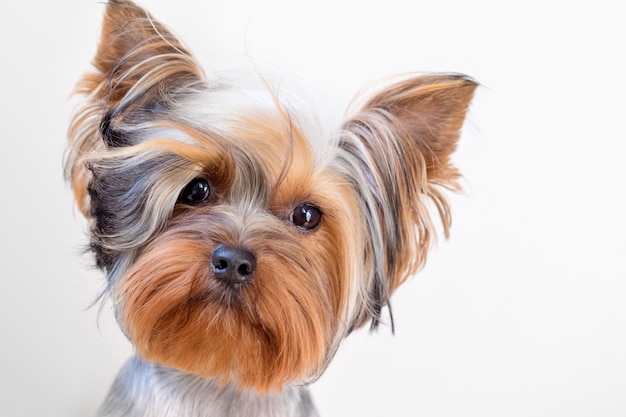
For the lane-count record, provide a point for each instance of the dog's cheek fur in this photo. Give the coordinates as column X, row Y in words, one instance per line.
column 125, row 208
column 133, row 191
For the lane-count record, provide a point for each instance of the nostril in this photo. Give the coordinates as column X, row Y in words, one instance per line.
column 244, row 269
column 232, row 265
column 220, row 264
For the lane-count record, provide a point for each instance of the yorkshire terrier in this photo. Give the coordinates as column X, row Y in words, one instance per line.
column 242, row 240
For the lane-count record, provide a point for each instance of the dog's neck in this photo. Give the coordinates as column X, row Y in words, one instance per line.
column 142, row 389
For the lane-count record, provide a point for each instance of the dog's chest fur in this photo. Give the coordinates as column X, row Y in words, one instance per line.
column 147, row 390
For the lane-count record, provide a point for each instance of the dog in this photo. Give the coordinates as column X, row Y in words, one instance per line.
column 243, row 240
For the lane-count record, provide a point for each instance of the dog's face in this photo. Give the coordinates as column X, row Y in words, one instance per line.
column 241, row 240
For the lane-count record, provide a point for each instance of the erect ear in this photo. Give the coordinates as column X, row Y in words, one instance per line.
column 426, row 113
column 140, row 69
column 399, row 144
column 140, row 65
column 136, row 52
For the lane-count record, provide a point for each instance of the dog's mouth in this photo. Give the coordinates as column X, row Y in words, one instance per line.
column 222, row 294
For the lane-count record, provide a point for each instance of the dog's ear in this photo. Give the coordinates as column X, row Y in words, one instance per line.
column 398, row 145
column 136, row 53
column 140, row 70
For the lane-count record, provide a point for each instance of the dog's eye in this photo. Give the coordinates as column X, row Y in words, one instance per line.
column 196, row 192
column 306, row 216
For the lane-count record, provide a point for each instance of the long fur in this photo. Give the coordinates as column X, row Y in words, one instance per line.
column 150, row 123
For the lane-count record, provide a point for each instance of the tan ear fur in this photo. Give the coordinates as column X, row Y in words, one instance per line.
column 133, row 46
column 430, row 110
column 139, row 64
column 401, row 140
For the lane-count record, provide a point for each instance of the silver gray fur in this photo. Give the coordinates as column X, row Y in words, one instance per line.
column 143, row 389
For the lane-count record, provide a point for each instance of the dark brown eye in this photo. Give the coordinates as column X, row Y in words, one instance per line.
column 306, row 216
column 196, row 192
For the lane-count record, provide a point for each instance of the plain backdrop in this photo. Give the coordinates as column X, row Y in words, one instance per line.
column 521, row 312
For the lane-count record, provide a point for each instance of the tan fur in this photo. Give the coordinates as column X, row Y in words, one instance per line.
column 150, row 124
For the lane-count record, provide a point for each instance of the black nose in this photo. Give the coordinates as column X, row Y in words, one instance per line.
column 232, row 265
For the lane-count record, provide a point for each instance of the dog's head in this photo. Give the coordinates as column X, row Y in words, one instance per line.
column 240, row 240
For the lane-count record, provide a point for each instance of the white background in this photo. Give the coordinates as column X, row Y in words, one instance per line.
column 521, row 313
